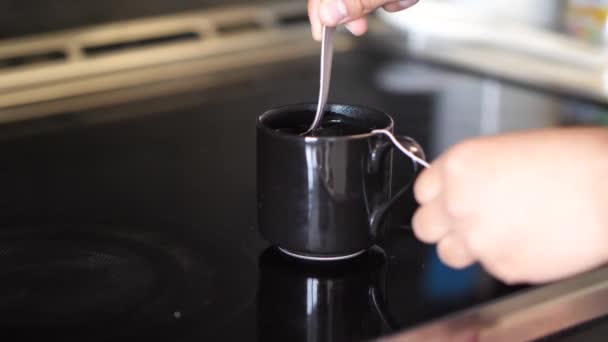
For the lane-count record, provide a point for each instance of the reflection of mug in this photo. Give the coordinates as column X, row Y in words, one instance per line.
column 325, row 197
column 338, row 301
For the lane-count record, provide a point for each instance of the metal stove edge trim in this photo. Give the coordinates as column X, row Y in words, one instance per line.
column 523, row 316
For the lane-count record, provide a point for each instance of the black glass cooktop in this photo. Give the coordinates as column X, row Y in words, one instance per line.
column 138, row 221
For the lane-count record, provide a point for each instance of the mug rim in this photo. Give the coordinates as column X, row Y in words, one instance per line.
column 307, row 105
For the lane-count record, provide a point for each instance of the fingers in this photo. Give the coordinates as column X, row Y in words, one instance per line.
column 431, row 224
column 350, row 12
column 443, row 217
column 315, row 22
column 455, row 176
column 336, row 12
column 399, row 5
column 453, row 252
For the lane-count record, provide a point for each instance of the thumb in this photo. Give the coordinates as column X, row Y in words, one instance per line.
column 335, row 12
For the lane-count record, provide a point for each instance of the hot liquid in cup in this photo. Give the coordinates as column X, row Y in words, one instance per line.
column 333, row 125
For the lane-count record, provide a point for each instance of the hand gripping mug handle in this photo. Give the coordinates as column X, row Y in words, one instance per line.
column 414, row 151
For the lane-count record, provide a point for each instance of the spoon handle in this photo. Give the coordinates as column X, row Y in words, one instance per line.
column 327, row 53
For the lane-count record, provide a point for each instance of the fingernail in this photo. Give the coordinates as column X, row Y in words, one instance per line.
column 333, row 11
column 407, row 3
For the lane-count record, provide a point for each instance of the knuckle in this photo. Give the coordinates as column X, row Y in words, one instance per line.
column 475, row 244
column 455, row 203
column 369, row 5
column 357, row 8
column 459, row 158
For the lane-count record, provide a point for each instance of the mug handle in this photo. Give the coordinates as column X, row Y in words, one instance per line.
column 414, row 151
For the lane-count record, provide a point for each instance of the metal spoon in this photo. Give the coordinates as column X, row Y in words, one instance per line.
column 327, row 53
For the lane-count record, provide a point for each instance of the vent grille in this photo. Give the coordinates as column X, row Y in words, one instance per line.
column 239, row 27
column 164, row 31
column 293, row 20
column 32, row 59
column 103, row 49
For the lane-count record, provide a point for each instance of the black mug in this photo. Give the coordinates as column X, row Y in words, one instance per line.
column 325, row 197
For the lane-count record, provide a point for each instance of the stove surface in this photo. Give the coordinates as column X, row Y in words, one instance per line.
column 138, row 221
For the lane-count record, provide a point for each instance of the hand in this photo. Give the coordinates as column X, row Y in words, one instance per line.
column 530, row 207
column 350, row 12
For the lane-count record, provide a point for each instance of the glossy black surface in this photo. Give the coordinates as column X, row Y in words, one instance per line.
column 323, row 196
column 304, row 301
column 138, row 222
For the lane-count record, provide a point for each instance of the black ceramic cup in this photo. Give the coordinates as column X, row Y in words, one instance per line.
column 325, row 197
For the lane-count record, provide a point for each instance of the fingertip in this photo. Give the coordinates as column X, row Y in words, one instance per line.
column 454, row 253
column 315, row 21
column 357, row 27
column 427, row 185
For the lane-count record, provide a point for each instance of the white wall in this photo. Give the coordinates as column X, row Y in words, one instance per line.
column 537, row 12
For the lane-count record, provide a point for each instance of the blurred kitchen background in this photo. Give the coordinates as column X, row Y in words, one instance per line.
column 556, row 47
column 445, row 69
